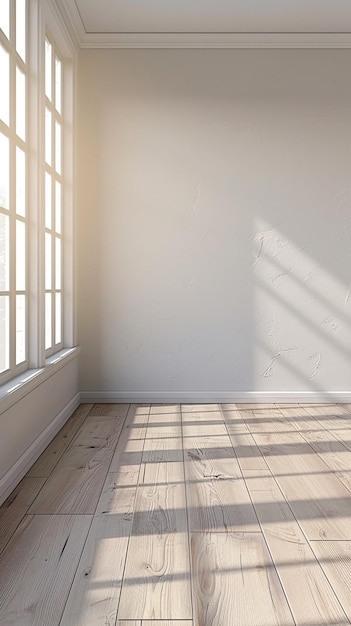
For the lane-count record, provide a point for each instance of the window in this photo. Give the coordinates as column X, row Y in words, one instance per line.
column 13, row 187
column 53, row 198
column 35, row 188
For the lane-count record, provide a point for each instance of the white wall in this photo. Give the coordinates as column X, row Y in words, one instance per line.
column 214, row 221
column 28, row 424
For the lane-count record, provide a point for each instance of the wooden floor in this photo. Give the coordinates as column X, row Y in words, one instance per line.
column 184, row 515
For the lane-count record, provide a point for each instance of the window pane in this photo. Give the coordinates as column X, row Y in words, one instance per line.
column 48, row 321
column 20, row 329
column 58, row 318
column 4, row 172
column 5, row 17
column 48, row 137
column 57, row 263
column 48, row 200
column 20, row 182
column 58, row 147
column 48, row 69
column 20, row 104
column 4, row 333
column 20, row 255
column 48, row 260
column 58, row 84
column 5, row 85
column 58, row 210
column 4, row 252
column 21, row 28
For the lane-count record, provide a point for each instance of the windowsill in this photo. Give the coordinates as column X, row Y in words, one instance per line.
column 17, row 388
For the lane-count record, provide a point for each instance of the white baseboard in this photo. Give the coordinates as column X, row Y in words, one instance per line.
column 188, row 397
column 11, row 479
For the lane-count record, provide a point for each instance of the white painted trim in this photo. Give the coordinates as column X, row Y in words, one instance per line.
column 11, row 479
column 215, row 396
column 19, row 387
column 215, row 40
column 70, row 14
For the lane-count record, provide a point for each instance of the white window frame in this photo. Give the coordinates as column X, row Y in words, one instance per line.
column 16, row 142
column 44, row 20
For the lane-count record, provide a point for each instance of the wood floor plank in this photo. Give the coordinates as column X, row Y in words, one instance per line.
column 199, row 408
column 335, row 559
column 331, row 451
column 321, row 506
column 167, row 622
column 128, row 452
column 126, row 561
column 155, row 622
column 75, row 485
column 38, row 566
column 95, row 592
column 333, row 418
column 247, row 452
column 330, row 416
column 164, row 450
column 217, row 495
column 201, row 423
column 266, row 419
column 112, row 410
column 311, row 598
column 118, row 494
column 16, row 506
column 163, row 409
column 167, row 424
column 299, row 418
column 234, row 581
column 52, row 454
column 216, row 492
column 156, row 583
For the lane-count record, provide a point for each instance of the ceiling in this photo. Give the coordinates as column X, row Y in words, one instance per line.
column 190, row 20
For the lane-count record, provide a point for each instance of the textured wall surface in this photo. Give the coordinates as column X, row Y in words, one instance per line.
column 215, row 220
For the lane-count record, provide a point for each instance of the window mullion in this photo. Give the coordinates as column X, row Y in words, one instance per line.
column 12, row 191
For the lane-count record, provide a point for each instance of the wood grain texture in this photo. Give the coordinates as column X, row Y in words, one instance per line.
column 163, row 409
column 330, row 450
column 322, row 507
column 95, row 593
column 156, row 584
column 216, row 491
column 52, row 454
column 311, row 597
column 199, row 408
column 247, row 452
column 162, row 622
column 335, row 559
column 217, row 495
column 333, row 418
column 75, row 484
column 16, row 506
column 112, row 410
column 128, row 562
column 94, row 596
column 164, row 425
column 38, row 566
column 129, row 449
column 234, row 581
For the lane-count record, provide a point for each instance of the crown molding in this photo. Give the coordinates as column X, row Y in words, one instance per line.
column 71, row 14
column 215, row 40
